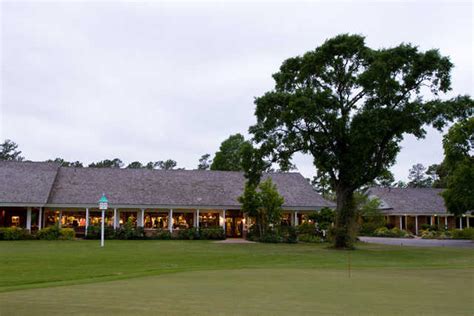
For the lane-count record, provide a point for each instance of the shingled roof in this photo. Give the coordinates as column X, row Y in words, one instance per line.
column 156, row 188
column 26, row 183
column 411, row 201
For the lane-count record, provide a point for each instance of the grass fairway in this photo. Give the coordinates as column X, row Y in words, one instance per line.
column 198, row 277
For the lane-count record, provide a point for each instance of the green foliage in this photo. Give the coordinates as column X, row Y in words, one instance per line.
column 349, row 106
column 9, row 151
column 458, row 146
column 418, row 177
column 135, row 165
column 264, row 205
column 394, row 232
column 229, row 156
column 67, row 234
column 49, row 233
column 160, row 234
column 204, row 162
column 370, row 217
column 435, row 234
column 64, row 163
column 466, row 233
column 107, row 163
column 188, row 234
column 14, row 233
column 211, row 233
column 324, row 218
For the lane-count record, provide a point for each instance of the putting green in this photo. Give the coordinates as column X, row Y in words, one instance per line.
column 375, row 291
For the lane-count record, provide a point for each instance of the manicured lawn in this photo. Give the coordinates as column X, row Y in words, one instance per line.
column 173, row 277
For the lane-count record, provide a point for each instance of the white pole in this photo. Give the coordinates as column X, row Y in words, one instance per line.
column 296, row 218
column 416, row 224
column 467, row 221
column 115, row 218
column 87, row 220
column 445, row 222
column 223, row 219
column 60, row 218
column 102, row 229
column 196, row 224
column 40, row 217
column 460, row 222
column 170, row 220
column 142, row 218
column 28, row 218
column 400, row 220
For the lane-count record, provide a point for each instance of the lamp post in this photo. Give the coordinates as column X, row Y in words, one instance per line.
column 103, row 205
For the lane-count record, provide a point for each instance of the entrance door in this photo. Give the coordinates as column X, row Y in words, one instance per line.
column 233, row 224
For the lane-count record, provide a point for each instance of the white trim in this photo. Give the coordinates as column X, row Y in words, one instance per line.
column 116, row 218
column 416, row 225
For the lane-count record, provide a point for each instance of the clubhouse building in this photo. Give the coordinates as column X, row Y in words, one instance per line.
column 34, row 195
column 410, row 208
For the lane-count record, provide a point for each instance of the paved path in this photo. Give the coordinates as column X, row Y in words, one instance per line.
column 418, row 242
column 235, row 241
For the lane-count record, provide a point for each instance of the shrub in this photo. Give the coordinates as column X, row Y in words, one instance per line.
column 212, row 233
column 289, row 234
column 188, row 234
column 466, row 233
column 306, row 229
column 368, row 228
column 394, row 232
column 161, row 234
column 271, row 236
column 310, row 238
column 435, row 234
column 14, row 233
column 67, row 234
column 49, row 233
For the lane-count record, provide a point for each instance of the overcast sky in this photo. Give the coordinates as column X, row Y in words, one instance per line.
column 149, row 81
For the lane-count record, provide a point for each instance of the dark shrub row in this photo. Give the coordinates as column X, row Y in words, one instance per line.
column 130, row 232
column 49, row 233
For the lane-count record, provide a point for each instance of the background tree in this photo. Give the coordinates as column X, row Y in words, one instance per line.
column 418, row 177
column 135, row 165
column 107, row 163
column 262, row 203
column 229, row 156
column 64, row 163
column 152, row 165
column 204, row 162
column 458, row 146
column 9, row 151
column 349, row 106
column 169, row 164
column 438, row 174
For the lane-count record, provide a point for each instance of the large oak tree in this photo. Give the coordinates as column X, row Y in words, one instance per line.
column 349, row 106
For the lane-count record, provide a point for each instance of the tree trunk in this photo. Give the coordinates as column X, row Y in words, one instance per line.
column 344, row 234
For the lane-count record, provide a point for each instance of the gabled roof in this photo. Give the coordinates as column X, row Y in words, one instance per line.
column 47, row 183
column 411, row 201
column 172, row 187
column 26, row 182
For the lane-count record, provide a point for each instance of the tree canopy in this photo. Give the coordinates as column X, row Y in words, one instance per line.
column 458, row 146
column 9, row 151
column 229, row 156
column 64, row 163
column 418, row 177
column 349, row 106
column 107, row 163
column 204, row 162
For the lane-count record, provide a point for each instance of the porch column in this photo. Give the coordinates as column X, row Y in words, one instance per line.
column 445, row 222
column 431, row 220
column 170, row 220
column 87, row 221
column 296, row 218
column 460, row 222
column 222, row 219
column 28, row 218
column 60, row 218
column 467, row 221
column 196, row 222
column 400, row 220
column 115, row 218
column 141, row 218
column 40, row 217
column 416, row 224
column 406, row 222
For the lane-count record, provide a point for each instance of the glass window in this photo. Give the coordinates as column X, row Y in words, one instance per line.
column 156, row 220
column 182, row 220
column 208, row 219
